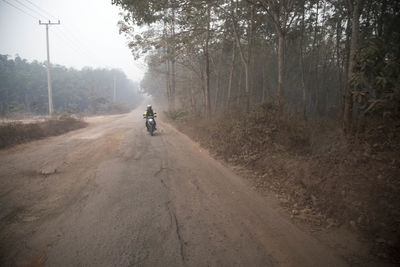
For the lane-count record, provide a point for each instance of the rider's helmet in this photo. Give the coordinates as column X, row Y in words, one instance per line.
column 148, row 107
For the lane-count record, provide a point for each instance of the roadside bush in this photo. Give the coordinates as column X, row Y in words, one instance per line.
column 244, row 138
column 112, row 108
column 176, row 114
column 16, row 133
column 328, row 178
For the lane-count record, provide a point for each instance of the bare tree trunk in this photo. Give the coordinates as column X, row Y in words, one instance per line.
column 173, row 76
column 355, row 7
column 192, row 93
column 245, row 60
column 207, row 57
column 218, row 79
column 249, row 61
column 338, row 60
column 231, row 74
column 317, row 89
column 217, row 91
column 303, row 84
column 263, row 83
column 346, row 65
column 173, row 83
column 203, row 88
column 168, row 82
column 281, row 69
column 247, row 86
column 239, row 93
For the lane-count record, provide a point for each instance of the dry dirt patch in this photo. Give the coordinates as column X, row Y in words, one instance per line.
column 320, row 176
column 16, row 132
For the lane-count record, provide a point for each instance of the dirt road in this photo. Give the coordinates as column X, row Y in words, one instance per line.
column 112, row 195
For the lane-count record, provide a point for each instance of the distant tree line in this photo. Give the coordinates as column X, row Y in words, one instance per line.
column 337, row 58
column 23, row 88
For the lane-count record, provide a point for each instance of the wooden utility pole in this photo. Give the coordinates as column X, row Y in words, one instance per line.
column 50, row 93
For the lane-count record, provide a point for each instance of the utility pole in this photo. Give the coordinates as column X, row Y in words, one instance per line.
column 115, row 88
column 50, row 93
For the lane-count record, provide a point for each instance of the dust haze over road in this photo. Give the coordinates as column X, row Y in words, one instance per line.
column 112, row 195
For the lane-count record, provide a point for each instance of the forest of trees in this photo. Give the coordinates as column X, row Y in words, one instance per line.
column 23, row 88
column 314, row 58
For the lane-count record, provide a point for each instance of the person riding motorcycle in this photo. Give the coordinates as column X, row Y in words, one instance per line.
column 149, row 112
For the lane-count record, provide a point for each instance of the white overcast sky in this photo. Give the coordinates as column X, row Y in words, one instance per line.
column 88, row 34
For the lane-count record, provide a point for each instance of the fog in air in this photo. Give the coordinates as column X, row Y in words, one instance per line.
column 200, row 133
column 88, row 34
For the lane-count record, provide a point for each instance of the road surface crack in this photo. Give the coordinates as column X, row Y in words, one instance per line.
column 160, row 170
column 177, row 230
column 178, row 233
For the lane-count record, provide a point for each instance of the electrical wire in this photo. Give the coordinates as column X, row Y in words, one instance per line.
column 30, row 9
column 21, row 10
column 63, row 28
column 41, row 9
column 73, row 38
column 67, row 35
column 67, row 43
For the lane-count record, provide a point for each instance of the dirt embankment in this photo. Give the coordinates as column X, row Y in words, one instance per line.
column 323, row 177
column 13, row 133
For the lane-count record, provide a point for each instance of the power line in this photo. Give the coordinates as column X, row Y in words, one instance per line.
column 64, row 33
column 34, row 11
column 67, row 34
column 41, row 9
column 74, row 39
column 21, row 10
column 76, row 49
column 63, row 36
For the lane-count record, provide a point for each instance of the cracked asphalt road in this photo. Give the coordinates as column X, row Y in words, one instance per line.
column 119, row 197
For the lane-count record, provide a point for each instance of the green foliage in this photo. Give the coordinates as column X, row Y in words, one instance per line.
column 376, row 82
column 376, row 85
column 318, row 43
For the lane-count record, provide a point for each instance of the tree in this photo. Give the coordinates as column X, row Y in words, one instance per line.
column 355, row 7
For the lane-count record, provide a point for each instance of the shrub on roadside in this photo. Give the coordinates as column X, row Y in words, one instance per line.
column 175, row 114
column 326, row 177
column 243, row 138
column 16, row 133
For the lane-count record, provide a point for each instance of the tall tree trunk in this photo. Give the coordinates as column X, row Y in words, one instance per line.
column 207, row 58
column 173, row 83
column 192, row 93
column 316, row 75
column 281, row 69
column 239, row 93
column 245, row 60
column 173, row 72
column 247, row 86
column 168, row 82
column 218, row 79
column 302, row 69
column 355, row 7
column 217, row 91
column 231, row 75
column 263, row 83
column 203, row 88
column 338, row 60
column 346, row 61
column 249, row 57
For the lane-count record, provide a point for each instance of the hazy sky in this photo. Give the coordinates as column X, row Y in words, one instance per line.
column 87, row 36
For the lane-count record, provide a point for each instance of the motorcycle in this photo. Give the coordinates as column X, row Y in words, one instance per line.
column 150, row 123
